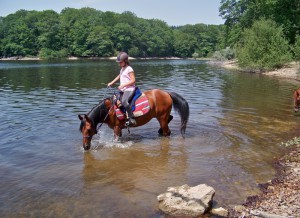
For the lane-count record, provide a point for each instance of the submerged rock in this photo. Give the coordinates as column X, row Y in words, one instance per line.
column 186, row 201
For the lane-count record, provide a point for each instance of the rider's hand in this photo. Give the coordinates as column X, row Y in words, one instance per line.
column 109, row 84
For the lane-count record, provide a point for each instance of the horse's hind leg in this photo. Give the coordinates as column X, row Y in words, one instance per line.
column 164, row 128
column 160, row 131
column 170, row 118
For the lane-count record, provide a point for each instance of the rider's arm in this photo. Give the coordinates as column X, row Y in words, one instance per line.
column 115, row 80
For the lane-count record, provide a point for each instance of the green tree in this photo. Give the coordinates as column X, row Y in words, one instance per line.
column 297, row 48
column 47, row 28
column 1, row 35
column 98, row 43
column 159, row 39
column 232, row 11
column 123, row 36
column 241, row 14
column 184, row 44
column 89, row 32
column 263, row 46
column 77, row 25
column 207, row 37
column 18, row 37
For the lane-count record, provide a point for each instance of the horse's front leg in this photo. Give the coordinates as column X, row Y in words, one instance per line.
column 117, row 133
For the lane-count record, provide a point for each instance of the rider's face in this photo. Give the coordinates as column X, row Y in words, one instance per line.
column 122, row 63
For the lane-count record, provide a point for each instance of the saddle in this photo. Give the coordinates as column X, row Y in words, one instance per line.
column 139, row 105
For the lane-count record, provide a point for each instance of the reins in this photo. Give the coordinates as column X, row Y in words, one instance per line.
column 99, row 126
column 112, row 105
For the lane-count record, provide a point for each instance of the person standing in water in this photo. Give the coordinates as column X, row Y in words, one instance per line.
column 127, row 84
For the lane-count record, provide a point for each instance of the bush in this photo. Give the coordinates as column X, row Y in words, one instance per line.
column 218, row 56
column 134, row 52
column 12, row 49
column 228, row 53
column 263, row 47
column 297, row 48
column 195, row 55
column 46, row 53
column 224, row 54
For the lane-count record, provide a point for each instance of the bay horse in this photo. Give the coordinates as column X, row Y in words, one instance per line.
column 160, row 103
column 296, row 96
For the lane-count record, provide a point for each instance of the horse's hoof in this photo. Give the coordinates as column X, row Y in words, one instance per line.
column 160, row 131
column 117, row 139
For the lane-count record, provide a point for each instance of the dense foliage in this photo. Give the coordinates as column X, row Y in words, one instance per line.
column 263, row 46
column 88, row 32
column 241, row 14
column 297, row 48
column 265, row 33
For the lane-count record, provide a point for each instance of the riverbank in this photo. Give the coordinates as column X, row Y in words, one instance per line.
column 281, row 196
column 290, row 71
column 87, row 58
column 20, row 59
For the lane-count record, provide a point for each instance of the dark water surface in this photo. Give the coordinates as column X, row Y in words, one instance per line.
column 237, row 123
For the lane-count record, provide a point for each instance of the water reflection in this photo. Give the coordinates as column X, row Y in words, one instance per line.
column 138, row 172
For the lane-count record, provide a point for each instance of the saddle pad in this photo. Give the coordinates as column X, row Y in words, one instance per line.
column 141, row 107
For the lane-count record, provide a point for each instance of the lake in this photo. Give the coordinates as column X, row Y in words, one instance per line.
column 237, row 123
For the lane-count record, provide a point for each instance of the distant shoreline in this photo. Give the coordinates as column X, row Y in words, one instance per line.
column 290, row 70
column 86, row 58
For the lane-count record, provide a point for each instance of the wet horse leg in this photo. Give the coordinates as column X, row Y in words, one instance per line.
column 117, row 133
column 164, row 128
column 160, row 131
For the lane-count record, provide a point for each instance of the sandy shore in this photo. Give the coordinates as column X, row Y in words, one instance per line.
column 19, row 58
column 291, row 70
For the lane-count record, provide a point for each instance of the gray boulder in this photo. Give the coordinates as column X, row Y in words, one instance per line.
column 186, row 201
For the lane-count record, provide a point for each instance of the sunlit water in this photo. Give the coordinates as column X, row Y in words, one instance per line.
column 237, row 122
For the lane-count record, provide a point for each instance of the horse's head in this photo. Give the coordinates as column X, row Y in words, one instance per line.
column 89, row 122
column 296, row 100
column 87, row 129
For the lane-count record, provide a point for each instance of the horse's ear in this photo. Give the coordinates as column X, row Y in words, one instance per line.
column 87, row 118
column 80, row 117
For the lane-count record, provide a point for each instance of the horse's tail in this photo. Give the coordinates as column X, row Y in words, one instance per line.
column 182, row 107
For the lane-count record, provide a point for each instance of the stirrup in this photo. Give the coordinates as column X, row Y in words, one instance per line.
column 130, row 122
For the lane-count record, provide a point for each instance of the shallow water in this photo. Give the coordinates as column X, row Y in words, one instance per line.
column 237, row 122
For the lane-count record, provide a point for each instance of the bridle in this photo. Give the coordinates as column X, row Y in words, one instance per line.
column 97, row 129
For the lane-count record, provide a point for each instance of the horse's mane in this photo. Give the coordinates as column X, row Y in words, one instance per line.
column 97, row 114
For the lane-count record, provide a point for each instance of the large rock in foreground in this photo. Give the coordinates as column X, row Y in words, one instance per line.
column 186, row 201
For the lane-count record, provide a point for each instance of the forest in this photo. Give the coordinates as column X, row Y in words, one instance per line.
column 259, row 33
column 87, row 32
column 264, row 34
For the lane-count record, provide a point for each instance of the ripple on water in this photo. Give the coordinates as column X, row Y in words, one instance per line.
column 236, row 123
